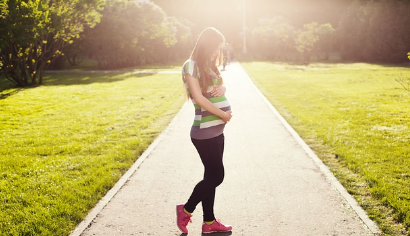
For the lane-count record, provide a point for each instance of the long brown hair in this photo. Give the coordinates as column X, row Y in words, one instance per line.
column 208, row 41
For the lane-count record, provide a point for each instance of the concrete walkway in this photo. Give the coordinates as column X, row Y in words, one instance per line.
column 274, row 184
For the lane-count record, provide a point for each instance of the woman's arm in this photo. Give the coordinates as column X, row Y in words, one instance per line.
column 202, row 101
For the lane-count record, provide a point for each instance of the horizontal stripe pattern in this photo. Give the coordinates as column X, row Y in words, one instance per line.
column 206, row 125
column 211, row 123
column 207, row 113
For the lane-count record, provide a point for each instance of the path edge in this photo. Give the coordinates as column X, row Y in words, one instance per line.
column 325, row 170
column 87, row 221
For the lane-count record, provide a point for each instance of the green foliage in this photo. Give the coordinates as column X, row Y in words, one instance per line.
column 75, row 52
column 352, row 31
column 65, row 144
column 357, row 121
column 272, row 38
column 388, row 31
column 22, row 26
column 3, row 9
column 307, row 39
column 185, row 40
column 275, row 38
column 35, row 32
column 375, row 31
column 133, row 33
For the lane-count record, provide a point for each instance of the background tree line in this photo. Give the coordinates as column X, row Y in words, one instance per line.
column 122, row 33
column 33, row 33
column 131, row 33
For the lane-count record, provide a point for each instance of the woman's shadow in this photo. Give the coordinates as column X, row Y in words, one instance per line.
column 213, row 234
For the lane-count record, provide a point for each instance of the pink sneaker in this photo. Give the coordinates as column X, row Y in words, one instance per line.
column 217, row 226
column 182, row 218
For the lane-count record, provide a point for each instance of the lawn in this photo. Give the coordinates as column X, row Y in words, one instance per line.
column 357, row 119
column 63, row 145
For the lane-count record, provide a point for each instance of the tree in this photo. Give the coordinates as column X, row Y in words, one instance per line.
column 326, row 41
column 352, row 31
column 75, row 51
column 306, row 40
column 35, row 32
column 272, row 38
column 389, row 27
column 181, row 29
column 130, row 33
column 375, row 31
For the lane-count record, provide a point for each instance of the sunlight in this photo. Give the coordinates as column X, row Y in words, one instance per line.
column 234, row 17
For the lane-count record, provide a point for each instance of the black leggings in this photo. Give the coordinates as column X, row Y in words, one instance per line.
column 211, row 153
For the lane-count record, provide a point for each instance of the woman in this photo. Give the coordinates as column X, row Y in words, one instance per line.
column 203, row 83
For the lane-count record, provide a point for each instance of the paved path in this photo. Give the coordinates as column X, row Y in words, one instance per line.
column 272, row 185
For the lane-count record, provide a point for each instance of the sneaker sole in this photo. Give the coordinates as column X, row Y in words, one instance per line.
column 211, row 232
column 177, row 220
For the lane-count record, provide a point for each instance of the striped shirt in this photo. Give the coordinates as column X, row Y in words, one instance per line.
column 206, row 125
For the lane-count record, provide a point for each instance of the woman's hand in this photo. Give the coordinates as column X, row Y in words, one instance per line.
column 218, row 91
column 226, row 117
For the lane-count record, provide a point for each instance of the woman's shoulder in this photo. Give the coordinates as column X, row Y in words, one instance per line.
column 190, row 67
column 189, row 62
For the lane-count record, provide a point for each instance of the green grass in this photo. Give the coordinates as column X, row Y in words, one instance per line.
column 63, row 145
column 357, row 119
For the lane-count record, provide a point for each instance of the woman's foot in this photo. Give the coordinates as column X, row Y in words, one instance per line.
column 182, row 218
column 217, row 226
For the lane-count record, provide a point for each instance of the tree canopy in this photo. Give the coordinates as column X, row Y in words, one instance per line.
column 133, row 33
column 35, row 32
column 375, row 31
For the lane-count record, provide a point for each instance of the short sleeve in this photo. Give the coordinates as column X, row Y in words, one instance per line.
column 190, row 68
